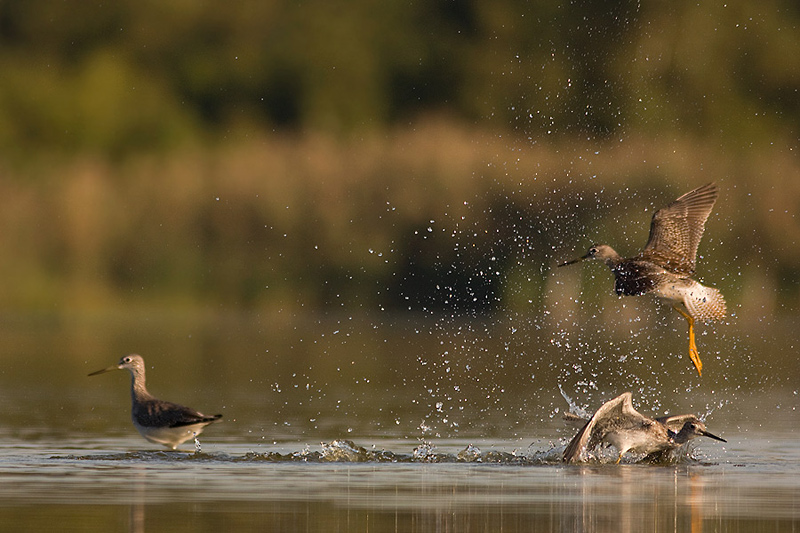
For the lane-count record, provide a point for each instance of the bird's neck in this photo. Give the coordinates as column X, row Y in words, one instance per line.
column 613, row 260
column 610, row 257
column 138, row 390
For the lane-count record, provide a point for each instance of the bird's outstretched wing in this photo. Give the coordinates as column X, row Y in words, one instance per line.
column 594, row 431
column 674, row 423
column 676, row 230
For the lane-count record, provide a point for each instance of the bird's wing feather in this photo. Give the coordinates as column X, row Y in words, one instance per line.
column 674, row 423
column 676, row 230
column 162, row 413
column 573, row 451
column 595, row 430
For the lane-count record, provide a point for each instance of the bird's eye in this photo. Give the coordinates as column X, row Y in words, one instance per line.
column 127, row 359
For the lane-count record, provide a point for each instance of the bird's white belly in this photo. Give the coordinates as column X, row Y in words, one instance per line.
column 170, row 436
column 702, row 303
column 624, row 441
column 636, row 440
column 677, row 291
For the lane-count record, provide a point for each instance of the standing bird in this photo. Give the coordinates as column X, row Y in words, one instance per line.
column 158, row 421
column 667, row 263
column 617, row 423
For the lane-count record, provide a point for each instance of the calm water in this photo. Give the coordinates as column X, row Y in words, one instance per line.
column 455, row 425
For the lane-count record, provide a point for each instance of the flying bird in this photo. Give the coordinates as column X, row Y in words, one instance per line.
column 666, row 265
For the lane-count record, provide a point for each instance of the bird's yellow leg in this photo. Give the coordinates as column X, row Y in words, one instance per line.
column 693, row 353
column 619, row 458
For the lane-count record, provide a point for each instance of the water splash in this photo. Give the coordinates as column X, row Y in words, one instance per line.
column 346, row 451
column 470, row 454
column 574, row 408
column 425, row 452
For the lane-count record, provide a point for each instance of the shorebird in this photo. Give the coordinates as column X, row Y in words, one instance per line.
column 667, row 263
column 617, row 423
column 158, row 421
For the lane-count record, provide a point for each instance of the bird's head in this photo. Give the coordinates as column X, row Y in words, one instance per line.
column 132, row 362
column 600, row 252
column 695, row 428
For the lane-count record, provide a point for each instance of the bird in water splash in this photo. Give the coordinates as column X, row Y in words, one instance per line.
column 667, row 263
column 618, row 424
column 160, row 422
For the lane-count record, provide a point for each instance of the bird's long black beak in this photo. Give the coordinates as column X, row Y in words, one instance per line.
column 103, row 371
column 577, row 260
column 712, row 436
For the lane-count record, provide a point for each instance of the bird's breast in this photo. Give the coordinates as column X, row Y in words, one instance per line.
column 634, row 278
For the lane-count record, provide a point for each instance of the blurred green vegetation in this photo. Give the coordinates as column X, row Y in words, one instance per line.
column 386, row 155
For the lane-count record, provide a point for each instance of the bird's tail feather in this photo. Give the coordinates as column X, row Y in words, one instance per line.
column 705, row 303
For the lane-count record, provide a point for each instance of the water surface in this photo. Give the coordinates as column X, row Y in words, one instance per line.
column 455, row 425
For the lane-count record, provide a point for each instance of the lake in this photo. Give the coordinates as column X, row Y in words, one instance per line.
column 391, row 423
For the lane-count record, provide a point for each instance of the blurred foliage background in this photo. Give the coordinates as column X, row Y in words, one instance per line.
column 323, row 156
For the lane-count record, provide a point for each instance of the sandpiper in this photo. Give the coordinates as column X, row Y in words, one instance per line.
column 617, row 423
column 158, row 421
column 667, row 263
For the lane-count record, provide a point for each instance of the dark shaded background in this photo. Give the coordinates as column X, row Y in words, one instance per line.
column 375, row 156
